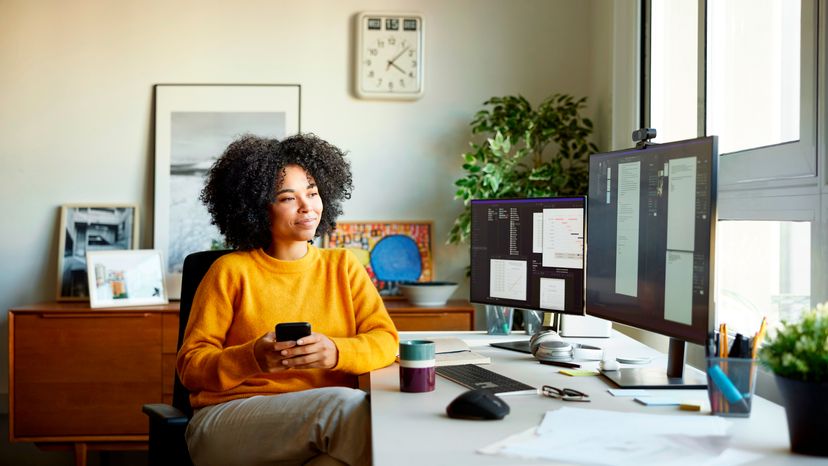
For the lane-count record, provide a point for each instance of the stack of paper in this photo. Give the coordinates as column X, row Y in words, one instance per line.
column 591, row 436
column 454, row 351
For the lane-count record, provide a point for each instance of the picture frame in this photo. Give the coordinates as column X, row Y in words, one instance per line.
column 391, row 251
column 194, row 124
column 90, row 227
column 125, row 278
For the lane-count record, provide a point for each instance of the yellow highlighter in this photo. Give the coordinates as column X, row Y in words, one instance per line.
column 760, row 335
column 722, row 340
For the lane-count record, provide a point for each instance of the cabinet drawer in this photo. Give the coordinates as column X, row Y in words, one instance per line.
column 84, row 373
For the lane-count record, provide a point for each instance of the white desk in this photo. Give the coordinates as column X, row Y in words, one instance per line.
column 413, row 429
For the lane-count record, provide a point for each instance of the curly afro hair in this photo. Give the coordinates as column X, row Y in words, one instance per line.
column 242, row 184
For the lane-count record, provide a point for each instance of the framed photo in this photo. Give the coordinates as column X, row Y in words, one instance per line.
column 84, row 228
column 392, row 252
column 125, row 278
column 194, row 124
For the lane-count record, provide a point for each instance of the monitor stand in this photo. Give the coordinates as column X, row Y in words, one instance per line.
column 521, row 346
column 674, row 377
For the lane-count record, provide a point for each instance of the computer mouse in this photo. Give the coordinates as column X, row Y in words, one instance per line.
column 479, row 404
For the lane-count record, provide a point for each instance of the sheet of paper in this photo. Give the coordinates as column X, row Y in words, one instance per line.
column 627, row 392
column 585, row 436
column 573, row 422
column 658, row 401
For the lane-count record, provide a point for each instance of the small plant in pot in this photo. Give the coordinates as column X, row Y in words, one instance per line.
column 798, row 356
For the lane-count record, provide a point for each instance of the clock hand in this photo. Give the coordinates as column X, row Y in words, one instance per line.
column 390, row 64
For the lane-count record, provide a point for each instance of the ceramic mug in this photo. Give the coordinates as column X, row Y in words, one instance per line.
column 417, row 366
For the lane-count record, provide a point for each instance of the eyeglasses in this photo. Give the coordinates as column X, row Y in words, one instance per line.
column 564, row 394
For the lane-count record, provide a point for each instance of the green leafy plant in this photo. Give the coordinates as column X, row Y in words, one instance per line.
column 799, row 350
column 528, row 152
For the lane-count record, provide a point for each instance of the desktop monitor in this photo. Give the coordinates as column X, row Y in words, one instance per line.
column 528, row 254
column 652, row 218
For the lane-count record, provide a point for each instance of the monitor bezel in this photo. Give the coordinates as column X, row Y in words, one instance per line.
column 697, row 336
column 585, row 202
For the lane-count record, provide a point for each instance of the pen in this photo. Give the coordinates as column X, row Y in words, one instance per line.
column 710, row 348
column 570, row 365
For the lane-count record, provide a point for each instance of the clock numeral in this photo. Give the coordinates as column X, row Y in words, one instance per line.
column 371, row 74
column 380, row 43
column 410, row 74
column 414, row 63
column 373, row 52
column 392, row 41
column 379, row 82
column 368, row 62
column 390, row 85
column 402, row 83
column 411, row 53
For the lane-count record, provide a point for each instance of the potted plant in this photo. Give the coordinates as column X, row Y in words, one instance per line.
column 528, row 152
column 798, row 356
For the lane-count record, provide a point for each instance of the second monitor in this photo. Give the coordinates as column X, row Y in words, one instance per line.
column 529, row 254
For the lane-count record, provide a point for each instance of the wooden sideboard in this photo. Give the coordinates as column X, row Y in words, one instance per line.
column 79, row 376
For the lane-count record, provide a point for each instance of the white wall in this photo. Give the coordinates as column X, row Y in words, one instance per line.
column 76, row 83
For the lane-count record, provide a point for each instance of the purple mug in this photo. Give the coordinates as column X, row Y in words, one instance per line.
column 417, row 366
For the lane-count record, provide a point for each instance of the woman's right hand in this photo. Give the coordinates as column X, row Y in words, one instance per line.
column 268, row 352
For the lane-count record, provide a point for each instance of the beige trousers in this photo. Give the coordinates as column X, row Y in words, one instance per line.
column 320, row 426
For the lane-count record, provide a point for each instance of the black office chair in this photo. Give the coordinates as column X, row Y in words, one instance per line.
column 167, row 424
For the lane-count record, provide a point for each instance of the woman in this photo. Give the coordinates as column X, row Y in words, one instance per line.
column 256, row 400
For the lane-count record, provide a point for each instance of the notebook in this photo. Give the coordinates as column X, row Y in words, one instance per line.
column 451, row 351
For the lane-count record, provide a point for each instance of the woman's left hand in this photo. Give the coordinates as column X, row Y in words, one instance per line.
column 316, row 351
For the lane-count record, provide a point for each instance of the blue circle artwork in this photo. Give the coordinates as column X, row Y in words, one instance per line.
column 396, row 258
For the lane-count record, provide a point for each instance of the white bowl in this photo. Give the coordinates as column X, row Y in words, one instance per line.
column 427, row 293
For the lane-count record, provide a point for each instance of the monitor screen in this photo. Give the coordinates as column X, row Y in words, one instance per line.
column 529, row 253
column 652, row 214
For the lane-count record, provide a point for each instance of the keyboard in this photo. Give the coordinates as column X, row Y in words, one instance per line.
column 473, row 377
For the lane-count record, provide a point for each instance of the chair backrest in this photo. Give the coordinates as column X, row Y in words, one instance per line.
column 195, row 266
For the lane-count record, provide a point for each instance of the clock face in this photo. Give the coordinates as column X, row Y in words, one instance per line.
column 389, row 59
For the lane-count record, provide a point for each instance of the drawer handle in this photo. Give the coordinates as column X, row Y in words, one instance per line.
column 94, row 315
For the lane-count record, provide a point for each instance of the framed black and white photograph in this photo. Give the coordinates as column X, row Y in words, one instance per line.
column 125, row 278
column 193, row 126
column 84, row 228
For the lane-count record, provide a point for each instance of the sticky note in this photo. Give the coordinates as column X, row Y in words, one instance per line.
column 577, row 372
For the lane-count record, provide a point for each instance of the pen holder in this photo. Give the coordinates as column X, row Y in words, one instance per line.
column 730, row 385
column 499, row 320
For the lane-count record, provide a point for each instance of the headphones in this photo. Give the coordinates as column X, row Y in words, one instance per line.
column 548, row 346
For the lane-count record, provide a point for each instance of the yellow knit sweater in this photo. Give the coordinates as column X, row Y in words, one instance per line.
column 245, row 294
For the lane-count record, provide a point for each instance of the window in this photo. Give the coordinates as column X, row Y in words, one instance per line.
column 753, row 69
column 782, row 251
column 747, row 71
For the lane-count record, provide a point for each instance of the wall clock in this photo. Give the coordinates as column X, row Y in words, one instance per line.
column 389, row 56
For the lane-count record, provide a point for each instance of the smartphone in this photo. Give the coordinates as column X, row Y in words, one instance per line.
column 292, row 331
